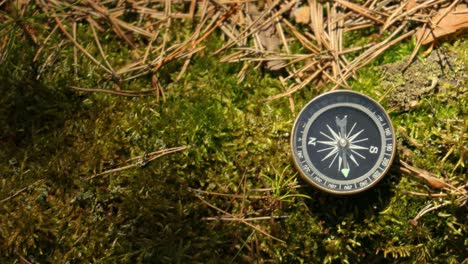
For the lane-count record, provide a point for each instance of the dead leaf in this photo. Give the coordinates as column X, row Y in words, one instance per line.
column 455, row 20
column 302, row 15
column 410, row 4
column 269, row 39
column 275, row 65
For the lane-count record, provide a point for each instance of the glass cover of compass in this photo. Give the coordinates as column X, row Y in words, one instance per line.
column 343, row 142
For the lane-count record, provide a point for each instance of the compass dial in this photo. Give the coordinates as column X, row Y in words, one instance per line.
column 343, row 142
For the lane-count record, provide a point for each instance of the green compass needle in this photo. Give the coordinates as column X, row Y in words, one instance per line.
column 345, row 172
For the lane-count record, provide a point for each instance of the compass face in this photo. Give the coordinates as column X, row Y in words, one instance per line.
column 343, row 142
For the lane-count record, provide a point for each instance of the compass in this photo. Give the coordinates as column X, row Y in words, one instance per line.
column 343, row 142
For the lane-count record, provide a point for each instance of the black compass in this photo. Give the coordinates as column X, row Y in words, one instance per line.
column 343, row 142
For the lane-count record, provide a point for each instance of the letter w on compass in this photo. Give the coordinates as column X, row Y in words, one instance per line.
column 342, row 146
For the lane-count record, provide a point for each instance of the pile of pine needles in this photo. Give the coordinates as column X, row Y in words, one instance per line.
column 258, row 33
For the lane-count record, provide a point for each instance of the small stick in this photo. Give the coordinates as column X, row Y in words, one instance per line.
column 411, row 140
column 301, row 85
column 430, row 178
column 20, row 191
column 425, row 210
column 75, row 51
column 44, row 43
column 235, row 196
column 103, row 55
column 70, row 37
column 431, row 195
column 258, row 23
column 239, row 219
column 155, row 155
column 360, row 10
column 432, row 207
column 223, row 218
column 271, row 189
column 155, row 83
column 121, row 93
column 290, row 98
column 183, row 47
column 22, row 259
column 303, row 39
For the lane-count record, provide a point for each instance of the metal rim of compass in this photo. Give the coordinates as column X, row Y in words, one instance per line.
column 373, row 182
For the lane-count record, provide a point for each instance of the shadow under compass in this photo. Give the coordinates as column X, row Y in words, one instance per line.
column 333, row 209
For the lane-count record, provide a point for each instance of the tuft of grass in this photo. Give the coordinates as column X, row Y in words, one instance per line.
column 282, row 186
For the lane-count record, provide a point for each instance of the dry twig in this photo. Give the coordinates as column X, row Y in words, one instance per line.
column 140, row 160
column 241, row 220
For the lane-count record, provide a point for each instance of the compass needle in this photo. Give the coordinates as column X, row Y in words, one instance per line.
column 345, row 169
column 350, row 142
column 341, row 123
column 345, row 172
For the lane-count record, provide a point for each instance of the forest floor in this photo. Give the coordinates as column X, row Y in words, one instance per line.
column 159, row 131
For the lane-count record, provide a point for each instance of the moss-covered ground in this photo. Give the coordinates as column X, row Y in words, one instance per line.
column 187, row 206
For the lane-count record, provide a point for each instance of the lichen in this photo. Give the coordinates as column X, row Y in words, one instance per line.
column 440, row 72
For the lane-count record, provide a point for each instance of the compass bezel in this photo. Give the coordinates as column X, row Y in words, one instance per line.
column 372, row 178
